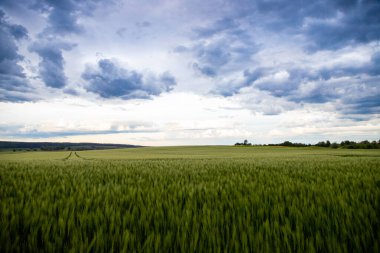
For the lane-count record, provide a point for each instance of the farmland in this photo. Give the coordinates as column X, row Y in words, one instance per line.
column 191, row 199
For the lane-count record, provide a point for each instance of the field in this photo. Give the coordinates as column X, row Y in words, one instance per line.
column 191, row 199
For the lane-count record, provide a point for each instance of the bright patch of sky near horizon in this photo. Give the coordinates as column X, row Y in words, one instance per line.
column 189, row 72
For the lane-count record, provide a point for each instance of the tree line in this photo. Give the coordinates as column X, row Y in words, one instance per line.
column 326, row 144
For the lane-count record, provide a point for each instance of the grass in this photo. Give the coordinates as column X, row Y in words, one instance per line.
column 191, row 199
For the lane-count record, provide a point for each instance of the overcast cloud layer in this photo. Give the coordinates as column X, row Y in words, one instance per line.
column 189, row 72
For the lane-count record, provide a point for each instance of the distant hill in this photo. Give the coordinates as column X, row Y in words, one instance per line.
column 52, row 146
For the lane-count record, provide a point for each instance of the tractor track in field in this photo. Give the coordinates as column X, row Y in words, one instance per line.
column 68, row 157
column 82, row 158
column 75, row 156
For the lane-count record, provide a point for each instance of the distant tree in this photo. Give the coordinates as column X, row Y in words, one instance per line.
column 347, row 143
column 244, row 143
column 321, row 144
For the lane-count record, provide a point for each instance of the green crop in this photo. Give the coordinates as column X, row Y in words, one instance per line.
column 191, row 199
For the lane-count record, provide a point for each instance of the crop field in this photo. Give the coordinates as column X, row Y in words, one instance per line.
column 191, row 199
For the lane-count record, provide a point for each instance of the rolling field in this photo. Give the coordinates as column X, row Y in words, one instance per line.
column 191, row 199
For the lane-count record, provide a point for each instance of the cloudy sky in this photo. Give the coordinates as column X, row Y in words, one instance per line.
column 177, row 72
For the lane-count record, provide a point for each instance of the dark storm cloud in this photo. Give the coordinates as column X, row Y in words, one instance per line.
column 363, row 105
column 10, row 34
column 211, row 57
column 205, row 70
column 110, row 80
column 362, row 97
column 220, row 47
column 63, row 16
column 12, row 78
column 357, row 23
column 51, row 67
column 374, row 68
column 325, row 24
column 20, row 6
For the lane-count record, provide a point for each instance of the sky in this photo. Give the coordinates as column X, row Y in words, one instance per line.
column 189, row 72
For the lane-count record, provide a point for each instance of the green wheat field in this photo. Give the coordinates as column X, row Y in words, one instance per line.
column 191, row 199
